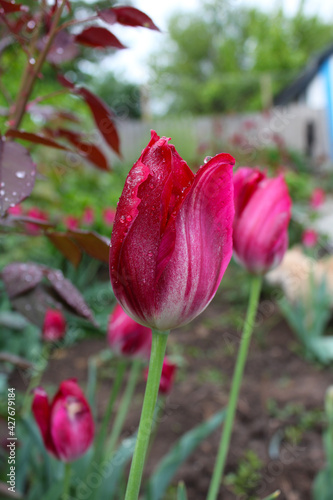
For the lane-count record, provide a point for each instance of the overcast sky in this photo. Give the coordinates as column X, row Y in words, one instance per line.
column 130, row 63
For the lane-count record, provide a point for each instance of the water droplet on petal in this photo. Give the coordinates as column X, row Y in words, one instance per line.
column 2, row 192
column 150, row 254
column 122, row 219
column 20, row 174
column 206, row 160
column 129, row 218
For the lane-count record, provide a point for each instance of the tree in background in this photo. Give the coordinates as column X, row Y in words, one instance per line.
column 232, row 58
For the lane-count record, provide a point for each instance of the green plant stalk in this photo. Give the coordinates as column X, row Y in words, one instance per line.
column 158, row 413
column 67, row 481
column 235, row 387
column 158, row 347
column 107, row 416
column 124, row 406
column 36, row 378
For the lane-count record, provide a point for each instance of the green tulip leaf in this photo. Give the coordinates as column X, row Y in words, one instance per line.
column 169, row 465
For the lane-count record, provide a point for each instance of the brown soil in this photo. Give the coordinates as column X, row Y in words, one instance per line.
column 273, row 372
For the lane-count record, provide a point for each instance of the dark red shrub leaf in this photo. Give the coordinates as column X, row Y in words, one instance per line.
column 36, row 138
column 102, row 114
column 17, row 174
column 19, row 277
column 66, row 246
column 88, row 150
column 103, row 118
column 69, row 293
column 92, row 243
column 99, row 38
column 9, row 7
column 34, row 304
column 128, row 16
column 65, row 82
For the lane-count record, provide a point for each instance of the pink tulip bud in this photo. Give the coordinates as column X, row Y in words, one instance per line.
column 309, row 238
column 66, row 424
column 37, row 214
column 16, row 210
column 54, row 327
column 262, row 214
column 109, row 216
column 88, row 216
column 126, row 337
column 172, row 236
column 71, row 222
column 167, row 378
column 317, row 198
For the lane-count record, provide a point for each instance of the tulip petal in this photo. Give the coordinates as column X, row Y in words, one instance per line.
column 154, row 186
column 42, row 411
column 72, row 425
column 201, row 238
column 260, row 236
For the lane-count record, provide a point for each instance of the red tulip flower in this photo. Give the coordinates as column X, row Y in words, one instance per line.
column 309, row 238
column 262, row 214
column 71, row 222
column 109, row 216
column 54, row 327
column 88, row 216
column 126, row 337
column 172, row 236
column 167, row 378
column 37, row 214
column 66, row 424
column 16, row 210
column 317, row 198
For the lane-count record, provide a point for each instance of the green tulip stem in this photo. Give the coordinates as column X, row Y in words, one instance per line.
column 67, row 481
column 235, row 387
column 124, row 406
column 107, row 416
column 36, row 377
column 158, row 347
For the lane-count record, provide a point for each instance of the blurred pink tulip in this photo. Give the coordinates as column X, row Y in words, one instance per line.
column 309, row 238
column 16, row 210
column 66, row 424
column 71, row 222
column 262, row 215
column 108, row 216
column 318, row 196
column 172, row 236
column 126, row 337
column 88, row 216
column 35, row 213
column 54, row 327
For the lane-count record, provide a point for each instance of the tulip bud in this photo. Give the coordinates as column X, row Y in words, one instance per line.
column 54, row 327
column 37, row 214
column 88, row 216
column 126, row 337
column 262, row 215
column 66, row 424
column 172, row 236
column 318, row 196
column 309, row 238
column 108, row 216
